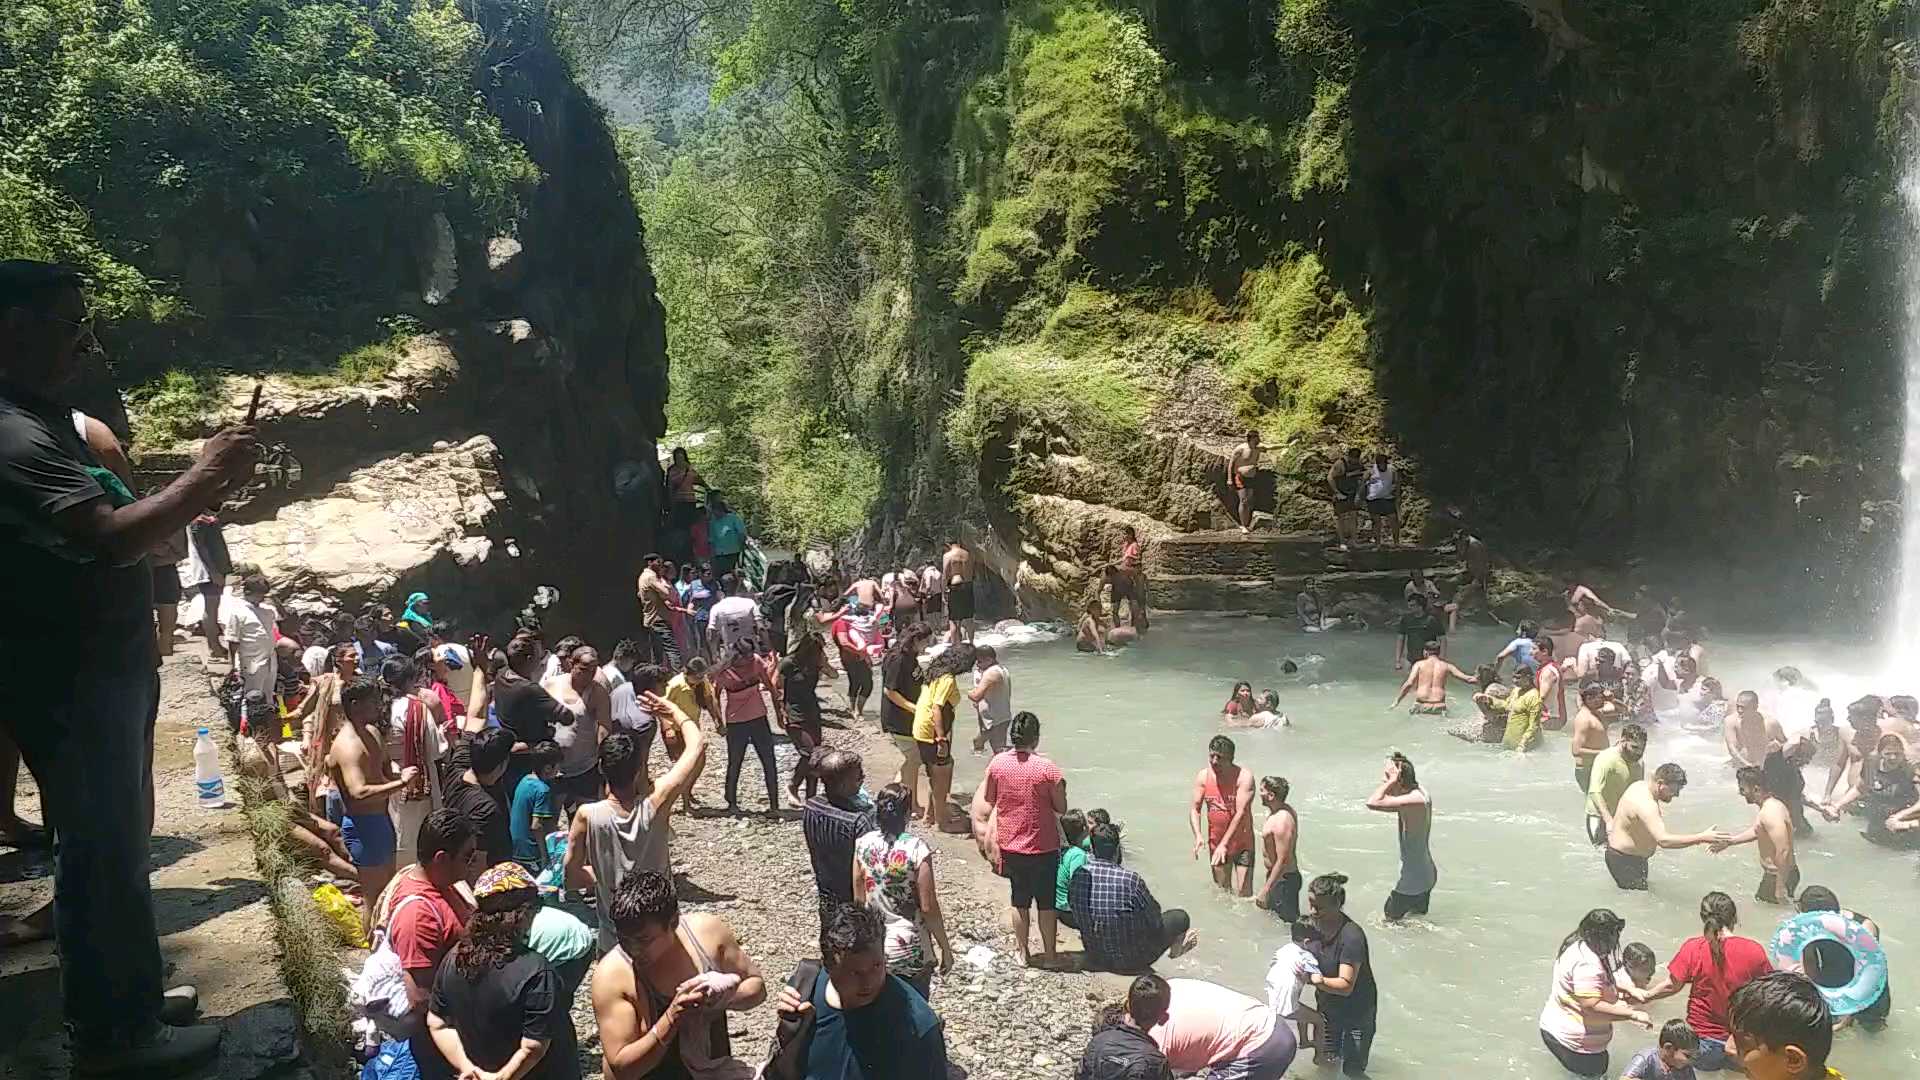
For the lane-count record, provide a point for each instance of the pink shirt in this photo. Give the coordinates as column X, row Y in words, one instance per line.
column 1022, row 793
column 1208, row 1024
column 743, row 701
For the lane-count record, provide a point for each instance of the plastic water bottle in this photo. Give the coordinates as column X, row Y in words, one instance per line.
column 206, row 772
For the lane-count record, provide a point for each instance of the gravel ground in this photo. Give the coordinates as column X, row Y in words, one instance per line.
column 1003, row 1022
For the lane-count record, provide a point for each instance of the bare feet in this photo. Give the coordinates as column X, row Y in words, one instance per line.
column 1184, row 945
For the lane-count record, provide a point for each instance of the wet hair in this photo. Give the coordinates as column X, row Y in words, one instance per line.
column 620, row 759
column 1407, row 775
column 1268, row 700
column 1717, row 913
column 1288, row 667
column 521, row 651
column 1781, row 1009
column 1672, row 775
column 849, row 929
column 1638, row 955
column 491, row 747
column 891, row 809
column 1750, row 775
column 1635, row 733
column 397, row 673
column 445, row 830
column 1599, row 930
column 1221, row 745
column 1432, row 648
column 1680, row 1035
column 1592, row 688
column 1239, row 686
column 1788, row 676
column 644, row 898
column 648, row 679
column 1331, row 888
column 1147, row 999
column 985, row 652
column 1419, row 600
column 360, row 689
column 1098, row 816
column 1024, row 732
column 1104, row 841
column 1818, row 898
column 1073, row 827
column 952, row 662
column 626, row 649
column 1543, row 644
column 1277, row 786
column 1302, row 932
column 546, row 752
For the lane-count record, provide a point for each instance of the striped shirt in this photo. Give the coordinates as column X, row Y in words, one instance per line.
column 831, row 831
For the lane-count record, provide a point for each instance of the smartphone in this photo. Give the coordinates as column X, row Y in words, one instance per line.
column 253, row 408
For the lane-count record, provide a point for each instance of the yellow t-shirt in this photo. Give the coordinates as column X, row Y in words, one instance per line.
column 926, row 713
column 681, row 693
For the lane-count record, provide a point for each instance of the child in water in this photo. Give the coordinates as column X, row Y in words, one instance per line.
column 1292, row 966
column 1782, row 1029
column 1671, row 1060
column 1637, row 963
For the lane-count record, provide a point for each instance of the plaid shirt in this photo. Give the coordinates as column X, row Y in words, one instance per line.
column 1119, row 918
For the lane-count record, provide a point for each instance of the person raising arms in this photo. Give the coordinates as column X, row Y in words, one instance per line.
column 1400, row 794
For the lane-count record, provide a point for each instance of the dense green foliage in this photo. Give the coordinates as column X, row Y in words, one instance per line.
column 244, row 180
column 1373, row 221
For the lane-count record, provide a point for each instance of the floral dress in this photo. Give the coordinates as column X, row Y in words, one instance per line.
column 894, row 866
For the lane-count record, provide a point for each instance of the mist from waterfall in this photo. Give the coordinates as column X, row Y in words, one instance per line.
column 1905, row 636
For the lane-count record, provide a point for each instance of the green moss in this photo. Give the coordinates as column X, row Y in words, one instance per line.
column 171, row 408
column 1303, row 374
column 1321, row 145
column 370, row 363
column 822, row 489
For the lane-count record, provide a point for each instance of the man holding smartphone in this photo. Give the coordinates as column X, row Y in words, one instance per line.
column 83, row 715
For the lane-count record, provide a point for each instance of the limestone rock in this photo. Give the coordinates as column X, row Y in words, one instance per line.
column 505, row 267
column 409, row 518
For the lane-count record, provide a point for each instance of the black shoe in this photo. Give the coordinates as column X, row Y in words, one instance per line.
column 179, row 1006
column 161, row 1050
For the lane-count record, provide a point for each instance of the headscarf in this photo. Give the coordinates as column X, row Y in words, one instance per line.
column 412, row 616
column 497, row 886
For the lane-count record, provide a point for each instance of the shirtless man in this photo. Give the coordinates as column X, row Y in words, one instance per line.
column 1280, row 839
column 1343, row 479
column 1901, row 717
column 364, row 777
column 662, row 996
column 1220, row 817
column 1428, row 681
column 1772, row 829
column 1590, row 731
column 1750, row 735
column 957, row 567
column 1241, row 469
column 865, row 594
column 1639, row 829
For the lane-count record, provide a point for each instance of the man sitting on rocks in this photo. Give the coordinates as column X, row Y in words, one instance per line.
column 867, row 1022
column 1120, row 922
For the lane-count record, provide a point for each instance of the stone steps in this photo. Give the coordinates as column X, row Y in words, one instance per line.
column 1377, row 591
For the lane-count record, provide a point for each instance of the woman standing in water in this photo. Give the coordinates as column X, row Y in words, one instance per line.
column 1399, row 793
column 1583, row 1004
column 1241, row 703
column 1711, row 967
column 1345, row 994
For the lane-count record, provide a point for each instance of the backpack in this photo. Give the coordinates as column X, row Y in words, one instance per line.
column 793, row 1037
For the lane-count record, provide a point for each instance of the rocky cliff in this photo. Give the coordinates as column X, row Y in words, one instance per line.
column 1614, row 282
column 510, row 442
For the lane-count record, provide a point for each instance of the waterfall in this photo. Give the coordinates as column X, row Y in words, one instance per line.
column 1906, row 628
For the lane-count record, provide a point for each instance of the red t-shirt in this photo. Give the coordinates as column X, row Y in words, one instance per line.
column 1710, row 987
column 1022, row 785
column 423, row 930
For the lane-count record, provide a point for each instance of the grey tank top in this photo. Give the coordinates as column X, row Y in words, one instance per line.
column 997, row 707
column 1417, row 872
column 700, row 1051
column 617, row 843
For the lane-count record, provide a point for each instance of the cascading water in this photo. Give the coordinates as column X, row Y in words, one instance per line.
column 1905, row 636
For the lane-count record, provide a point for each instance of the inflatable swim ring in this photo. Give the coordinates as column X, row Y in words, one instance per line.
column 1789, row 945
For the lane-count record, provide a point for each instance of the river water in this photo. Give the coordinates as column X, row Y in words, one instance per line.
column 1461, row 989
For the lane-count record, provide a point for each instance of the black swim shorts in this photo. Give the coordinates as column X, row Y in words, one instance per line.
column 1629, row 871
column 1032, row 879
column 931, row 756
column 1765, row 894
column 1400, row 905
column 960, row 600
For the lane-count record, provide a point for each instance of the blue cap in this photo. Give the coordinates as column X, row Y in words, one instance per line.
column 204, row 731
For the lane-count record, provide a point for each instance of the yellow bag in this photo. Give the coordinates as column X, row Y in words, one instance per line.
column 341, row 914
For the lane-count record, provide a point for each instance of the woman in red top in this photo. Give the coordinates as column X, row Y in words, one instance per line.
column 1028, row 794
column 745, row 709
column 1712, row 966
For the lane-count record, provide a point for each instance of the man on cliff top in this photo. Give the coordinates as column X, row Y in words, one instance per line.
column 83, row 714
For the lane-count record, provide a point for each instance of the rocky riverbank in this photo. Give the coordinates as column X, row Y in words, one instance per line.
column 1003, row 1021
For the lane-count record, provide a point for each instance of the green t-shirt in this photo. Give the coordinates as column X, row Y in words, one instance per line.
column 559, row 936
column 1071, row 859
column 1611, row 778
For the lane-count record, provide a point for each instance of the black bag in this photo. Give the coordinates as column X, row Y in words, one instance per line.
column 793, row 1037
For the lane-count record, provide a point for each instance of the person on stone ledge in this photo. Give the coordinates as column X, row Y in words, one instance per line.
column 1343, row 479
column 1383, row 500
column 1242, row 467
column 1091, row 635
